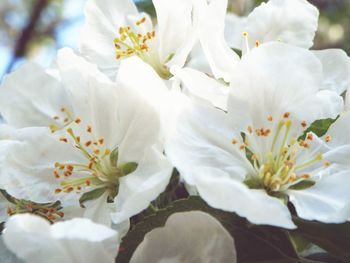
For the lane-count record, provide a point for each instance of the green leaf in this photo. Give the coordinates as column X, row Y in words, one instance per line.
column 334, row 238
column 128, row 168
column 253, row 243
column 302, row 185
column 92, row 195
column 238, row 52
column 319, row 127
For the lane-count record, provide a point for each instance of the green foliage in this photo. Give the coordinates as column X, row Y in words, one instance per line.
column 254, row 244
column 334, row 238
column 319, row 127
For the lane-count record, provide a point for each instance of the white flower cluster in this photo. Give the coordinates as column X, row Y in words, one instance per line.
column 228, row 101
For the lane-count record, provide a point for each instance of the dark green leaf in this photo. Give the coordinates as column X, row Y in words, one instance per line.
column 319, row 127
column 237, row 51
column 334, row 238
column 92, row 195
column 253, row 243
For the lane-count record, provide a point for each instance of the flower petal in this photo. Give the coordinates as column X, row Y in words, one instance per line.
column 234, row 27
column 27, row 171
column 176, row 28
column 6, row 255
column 98, row 210
column 336, row 69
column 204, row 139
column 31, row 97
column 139, row 188
column 324, row 201
column 219, row 55
column 293, row 22
column 187, row 237
column 220, row 191
column 202, row 87
column 79, row 240
column 102, row 20
column 279, row 93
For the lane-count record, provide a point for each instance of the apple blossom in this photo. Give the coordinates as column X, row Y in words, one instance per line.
column 33, row 239
column 269, row 164
column 187, row 237
column 115, row 30
column 93, row 144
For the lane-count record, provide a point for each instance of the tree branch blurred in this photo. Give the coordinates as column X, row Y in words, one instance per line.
column 28, row 32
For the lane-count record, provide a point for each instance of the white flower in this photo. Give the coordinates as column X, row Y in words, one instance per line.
column 104, row 139
column 292, row 22
column 273, row 99
column 187, row 237
column 115, row 29
column 6, row 255
column 33, row 239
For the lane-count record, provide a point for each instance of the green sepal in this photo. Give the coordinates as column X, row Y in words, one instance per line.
column 128, row 168
column 302, row 185
column 252, row 183
column 92, row 195
column 113, row 157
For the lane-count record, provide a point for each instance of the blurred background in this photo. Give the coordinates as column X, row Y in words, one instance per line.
column 36, row 29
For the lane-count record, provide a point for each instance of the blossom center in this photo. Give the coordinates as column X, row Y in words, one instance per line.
column 280, row 168
column 99, row 173
column 130, row 43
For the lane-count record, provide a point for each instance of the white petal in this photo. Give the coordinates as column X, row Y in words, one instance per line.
column 198, row 60
column 102, row 21
column 139, row 188
column 265, row 74
column 95, row 100
column 325, row 200
column 220, row 191
column 339, row 131
column 99, row 210
column 234, row 27
column 150, row 112
column 141, row 77
column 27, row 169
column 140, row 126
column 176, row 28
column 293, row 22
column 339, row 145
column 79, row 240
column 204, row 139
column 336, row 69
column 202, row 87
column 187, row 237
column 28, row 237
column 31, row 97
column 6, row 255
column 219, row 55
